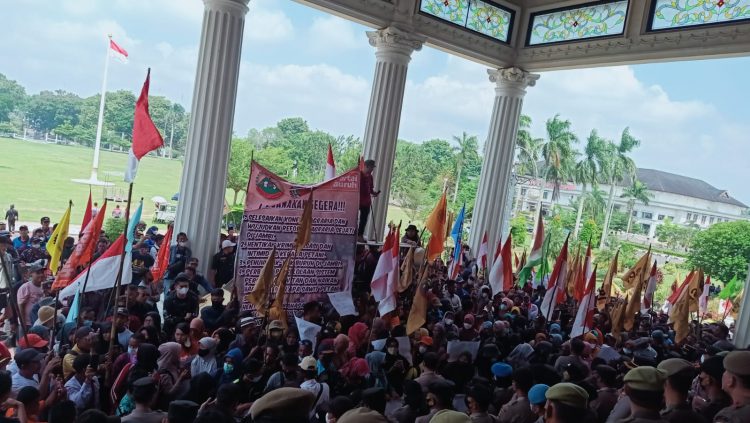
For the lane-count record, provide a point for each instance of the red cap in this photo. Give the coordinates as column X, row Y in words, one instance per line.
column 35, row 341
column 426, row 340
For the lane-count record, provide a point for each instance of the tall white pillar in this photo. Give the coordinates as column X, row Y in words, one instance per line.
column 393, row 49
column 742, row 324
column 492, row 194
column 203, row 183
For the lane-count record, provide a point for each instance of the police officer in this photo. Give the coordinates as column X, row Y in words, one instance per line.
column 680, row 374
column 644, row 386
column 566, row 403
column 736, row 383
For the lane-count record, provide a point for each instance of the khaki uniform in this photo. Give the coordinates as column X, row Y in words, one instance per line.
column 517, row 411
column 733, row 414
column 681, row 414
column 644, row 417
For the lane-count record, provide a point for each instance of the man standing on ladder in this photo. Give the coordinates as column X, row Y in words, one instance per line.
column 366, row 192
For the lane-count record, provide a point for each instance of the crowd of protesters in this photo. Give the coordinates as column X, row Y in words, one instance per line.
column 201, row 359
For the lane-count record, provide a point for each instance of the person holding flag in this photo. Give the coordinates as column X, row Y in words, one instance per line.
column 460, row 251
column 366, row 193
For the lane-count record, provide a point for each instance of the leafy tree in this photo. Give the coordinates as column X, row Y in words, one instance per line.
column 113, row 228
column 276, row 160
column 675, row 235
column 12, row 97
column 238, row 169
column 412, row 200
column 558, row 153
column 527, row 158
column 587, row 170
column 638, row 191
column 518, row 231
column 589, row 231
column 290, row 127
column 47, row 110
column 466, row 146
column 618, row 165
column 723, row 250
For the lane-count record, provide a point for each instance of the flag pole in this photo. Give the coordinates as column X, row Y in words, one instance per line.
column 13, row 300
column 118, row 279
column 100, row 122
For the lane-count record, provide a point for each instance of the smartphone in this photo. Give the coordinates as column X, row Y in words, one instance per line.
column 94, row 360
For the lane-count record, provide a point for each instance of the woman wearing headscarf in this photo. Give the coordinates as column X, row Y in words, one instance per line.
column 153, row 319
column 358, row 340
column 232, row 367
column 205, row 361
column 395, row 366
column 169, row 374
column 340, row 348
column 145, row 365
column 188, row 347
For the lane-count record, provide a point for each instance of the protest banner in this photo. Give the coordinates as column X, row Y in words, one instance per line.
column 273, row 208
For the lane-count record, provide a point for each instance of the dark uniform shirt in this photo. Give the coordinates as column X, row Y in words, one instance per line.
column 733, row 414
column 223, row 264
column 681, row 414
column 644, row 417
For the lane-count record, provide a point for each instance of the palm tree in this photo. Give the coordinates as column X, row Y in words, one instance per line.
column 618, row 166
column 558, row 153
column 528, row 153
column 587, row 170
column 595, row 203
column 464, row 145
column 636, row 192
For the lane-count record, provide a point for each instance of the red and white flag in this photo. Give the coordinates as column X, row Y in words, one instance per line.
column 379, row 284
column 648, row 295
column 556, row 286
column 482, row 254
column 390, row 300
column 117, row 52
column 583, row 276
column 501, row 274
column 87, row 213
column 103, row 271
column 330, row 165
column 146, row 137
column 666, row 308
column 703, row 299
column 82, row 252
column 585, row 315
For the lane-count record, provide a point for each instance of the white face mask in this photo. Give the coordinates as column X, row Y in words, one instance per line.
column 448, row 322
column 132, row 350
column 422, row 350
column 467, row 326
column 182, row 291
column 392, row 351
column 182, row 243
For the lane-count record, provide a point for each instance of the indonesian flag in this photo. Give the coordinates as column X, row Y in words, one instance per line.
column 81, row 255
column 583, row 276
column 117, row 52
column 501, row 274
column 389, row 302
column 103, row 271
column 482, row 254
column 556, row 286
column 536, row 255
column 379, row 284
column 648, row 296
column 703, row 300
column 672, row 299
column 146, row 137
column 330, row 165
column 87, row 213
column 162, row 258
column 585, row 316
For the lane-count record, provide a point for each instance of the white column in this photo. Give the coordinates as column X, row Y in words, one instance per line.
column 393, row 49
column 203, row 183
column 492, row 193
column 742, row 324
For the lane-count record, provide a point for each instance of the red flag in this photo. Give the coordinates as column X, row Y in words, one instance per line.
column 584, row 274
column 648, row 295
column 330, row 165
column 118, row 51
column 82, row 252
column 501, row 274
column 379, row 284
column 556, row 285
column 507, row 267
column 482, row 256
column 584, row 321
column 389, row 303
column 87, row 213
column 162, row 259
column 146, row 137
column 103, row 271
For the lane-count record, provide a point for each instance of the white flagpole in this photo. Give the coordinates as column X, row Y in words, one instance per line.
column 100, row 123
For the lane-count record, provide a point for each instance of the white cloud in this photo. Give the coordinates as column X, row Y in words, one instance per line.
column 79, row 7
column 266, row 25
column 334, row 35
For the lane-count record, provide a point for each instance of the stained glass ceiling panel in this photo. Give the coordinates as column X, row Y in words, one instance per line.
column 475, row 15
column 578, row 23
column 674, row 14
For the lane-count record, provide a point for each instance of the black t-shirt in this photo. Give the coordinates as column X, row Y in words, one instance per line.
column 224, row 266
column 142, row 260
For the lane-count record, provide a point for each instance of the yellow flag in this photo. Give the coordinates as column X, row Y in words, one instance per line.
column 607, row 284
column 618, row 314
column 277, row 312
column 680, row 314
column 695, row 289
column 259, row 295
column 57, row 240
column 418, row 312
column 437, row 224
column 407, row 271
column 304, row 231
column 630, row 278
column 574, row 269
column 636, row 276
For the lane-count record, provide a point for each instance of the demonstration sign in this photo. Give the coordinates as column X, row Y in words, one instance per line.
column 273, row 209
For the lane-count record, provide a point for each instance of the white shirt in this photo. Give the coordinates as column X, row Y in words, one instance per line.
column 84, row 395
column 313, row 386
column 20, row 382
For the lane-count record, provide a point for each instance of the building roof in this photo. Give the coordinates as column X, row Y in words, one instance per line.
column 657, row 180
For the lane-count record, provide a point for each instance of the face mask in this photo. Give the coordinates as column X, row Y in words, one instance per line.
column 448, row 322
column 502, row 307
column 36, row 245
column 467, row 326
column 626, row 351
column 256, row 378
column 182, row 291
column 392, row 351
column 88, row 323
column 182, row 243
column 132, row 351
column 217, row 303
column 484, row 295
column 703, row 358
column 228, row 368
column 203, row 353
column 422, row 350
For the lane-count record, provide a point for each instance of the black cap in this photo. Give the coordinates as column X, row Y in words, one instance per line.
column 27, row 356
column 370, row 163
column 182, row 411
column 181, row 277
column 144, row 382
column 5, row 240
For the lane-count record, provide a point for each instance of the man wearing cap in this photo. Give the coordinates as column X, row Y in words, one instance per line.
column 222, row 265
column 411, row 236
column 566, row 403
column 23, row 240
column 680, row 374
column 178, row 257
column 82, row 346
column 538, row 399
column 45, row 228
column 11, row 215
column 143, row 393
column 518, row 410
column 713, row 399
column 366, row 192
column 29, row 363
column 736, row 383
column 644, row 387
column 231, row 235
column 31, row 292
column 321, row 391
column 181, row 305
column 288, row 405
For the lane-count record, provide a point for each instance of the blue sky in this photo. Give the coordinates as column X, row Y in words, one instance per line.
column 296, row 61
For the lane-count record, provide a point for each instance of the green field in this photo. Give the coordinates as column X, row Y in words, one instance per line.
column 37, row 179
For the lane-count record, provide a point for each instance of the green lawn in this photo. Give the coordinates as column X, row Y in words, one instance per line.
column 37, row 179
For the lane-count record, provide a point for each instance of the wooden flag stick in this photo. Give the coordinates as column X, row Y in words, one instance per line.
column 118, row 280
